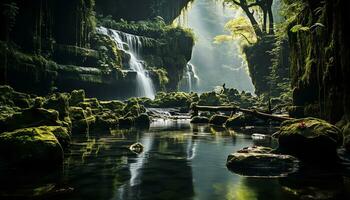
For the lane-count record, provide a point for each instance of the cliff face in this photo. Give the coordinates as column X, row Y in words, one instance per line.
column 52, row 45
column 320, row 60
column 141, row 10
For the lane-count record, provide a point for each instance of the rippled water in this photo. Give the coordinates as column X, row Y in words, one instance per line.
column 180, row 161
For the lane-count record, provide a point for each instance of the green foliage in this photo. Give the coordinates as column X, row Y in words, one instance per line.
column 299, row 27
column 239, row 28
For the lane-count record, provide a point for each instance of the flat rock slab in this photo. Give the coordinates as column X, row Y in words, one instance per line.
column 261, row 162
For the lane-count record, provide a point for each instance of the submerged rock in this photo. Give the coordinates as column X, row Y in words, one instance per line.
column 218, row 120
column 136, row 148
column 199, row 120
column 33, row 146
column 309, row 139
column 261, row 161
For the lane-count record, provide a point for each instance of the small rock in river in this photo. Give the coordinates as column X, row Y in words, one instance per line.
column 136, row 148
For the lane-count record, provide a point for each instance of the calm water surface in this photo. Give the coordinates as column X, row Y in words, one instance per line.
column 180, row 161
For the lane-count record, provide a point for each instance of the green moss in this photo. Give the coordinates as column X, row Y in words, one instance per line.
column 34, row 146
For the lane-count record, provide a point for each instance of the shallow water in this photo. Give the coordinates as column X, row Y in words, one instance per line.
column 180, row 161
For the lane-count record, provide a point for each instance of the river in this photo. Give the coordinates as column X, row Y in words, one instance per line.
column 179, row 161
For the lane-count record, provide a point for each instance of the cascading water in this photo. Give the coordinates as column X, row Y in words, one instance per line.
column 132, row 45
column 190, row 80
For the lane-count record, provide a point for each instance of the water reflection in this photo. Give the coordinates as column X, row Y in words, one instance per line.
column 180, row 161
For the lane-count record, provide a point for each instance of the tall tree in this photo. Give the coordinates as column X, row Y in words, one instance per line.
column 249, row 7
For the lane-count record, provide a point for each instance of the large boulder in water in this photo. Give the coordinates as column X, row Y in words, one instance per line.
column 33, row 146
column 261, row 161
column 199, row 120
column 218, row 120
column 309, row 139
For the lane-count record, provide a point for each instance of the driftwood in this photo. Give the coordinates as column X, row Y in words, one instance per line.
column 236, row 109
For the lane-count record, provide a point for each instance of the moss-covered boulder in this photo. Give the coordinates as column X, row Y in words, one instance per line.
column 60, row 103
column 76, row 96
column 115, row 105
column 218, row 120
column 261, row 161
column 235, row 121
column 143, row 120
column 62, row 134
column 12, row 98
column 133, row 108
column 32, row 146
column 310, row 139
column 105, row 121
column 199, row 120
column 81, row 120
column 32, row 117
column 126, row 122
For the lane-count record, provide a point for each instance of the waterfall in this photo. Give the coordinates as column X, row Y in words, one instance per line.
column 192, row 78
column 132, row 45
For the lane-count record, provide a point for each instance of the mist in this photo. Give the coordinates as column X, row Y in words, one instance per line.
column 215, row 64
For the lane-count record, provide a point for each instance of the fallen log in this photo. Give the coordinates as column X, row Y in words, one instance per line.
column 236, row 109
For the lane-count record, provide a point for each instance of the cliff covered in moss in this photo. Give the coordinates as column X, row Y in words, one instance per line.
column 320, row 58
column 54, row 46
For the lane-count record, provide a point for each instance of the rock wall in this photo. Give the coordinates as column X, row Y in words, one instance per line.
column 52, row 45
column 320, row 59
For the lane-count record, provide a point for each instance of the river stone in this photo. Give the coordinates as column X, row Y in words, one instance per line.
column 33, row 146
column 261, row 162
column 142, row 120
column 218, row 120
column 199, row 120
column 76, row 97
column 309, row 139
column 235, row 121
column 81, row 119
column 126, row 122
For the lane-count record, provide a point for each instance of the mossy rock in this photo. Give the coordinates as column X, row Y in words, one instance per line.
column 311, row 139
column 12, row 98
column 112, row 105
column 218, row 120
column 61, row 133
column 346, row 134
column 76, row 97
column 81, row 120
column 59, row 102
column 32, row 117
column 32, row 146
column 199, row 120
column 261, row 162
column 105, row 121
column 133, row 108
column 93, row 102
column 126, row 122
column 235, row 121
column 143, row 120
